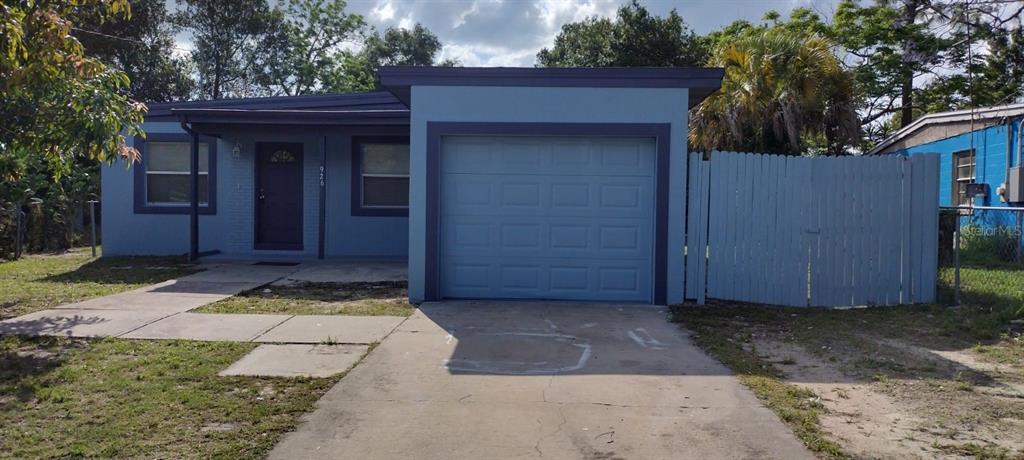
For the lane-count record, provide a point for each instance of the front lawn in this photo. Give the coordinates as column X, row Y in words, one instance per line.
column 386, row 298
column 38, row 282
column 72, row 398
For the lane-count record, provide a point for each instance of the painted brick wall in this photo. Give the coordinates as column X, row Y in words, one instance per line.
column 128, row 233
column 231, row 230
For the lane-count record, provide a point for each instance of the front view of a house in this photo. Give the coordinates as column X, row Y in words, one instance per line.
column 492, row 182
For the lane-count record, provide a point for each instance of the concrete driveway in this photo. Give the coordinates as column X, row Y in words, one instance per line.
column 471, row 380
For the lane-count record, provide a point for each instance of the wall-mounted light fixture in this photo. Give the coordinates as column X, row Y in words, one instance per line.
column 236, row 151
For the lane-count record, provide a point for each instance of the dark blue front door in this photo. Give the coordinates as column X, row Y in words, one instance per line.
column 279, row 196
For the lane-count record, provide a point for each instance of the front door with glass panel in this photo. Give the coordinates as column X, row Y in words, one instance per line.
column 279, row 196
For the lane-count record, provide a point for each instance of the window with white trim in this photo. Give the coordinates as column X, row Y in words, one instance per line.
column 383, row 174
column 963, row 174
column 168, row 166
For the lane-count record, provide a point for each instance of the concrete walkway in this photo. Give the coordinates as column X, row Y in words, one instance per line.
column 160, row 311
column 469, row 380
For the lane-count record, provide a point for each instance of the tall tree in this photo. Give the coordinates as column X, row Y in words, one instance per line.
column 307, row 52
column 633, row 38
column 56, row 101
column 230, row 37
column 783, row 92
column 891, row 43
column 987, row 58
column 417, row 46
column 141, row 46
column 62, row 110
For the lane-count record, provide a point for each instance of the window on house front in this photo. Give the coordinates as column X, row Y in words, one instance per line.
column 168, row 166
column 963, row 174
column 381, row 176
column 163, row 180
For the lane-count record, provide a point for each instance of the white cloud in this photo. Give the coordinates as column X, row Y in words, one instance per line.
column 407, row 23
column 383, row 12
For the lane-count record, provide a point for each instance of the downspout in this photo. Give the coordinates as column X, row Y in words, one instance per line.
column 1020, row 141
column 193, row 253
column 1009, row 145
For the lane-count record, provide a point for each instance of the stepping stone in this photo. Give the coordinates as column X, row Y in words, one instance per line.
column 297, row 361
column 208, row 326
column 332, row 329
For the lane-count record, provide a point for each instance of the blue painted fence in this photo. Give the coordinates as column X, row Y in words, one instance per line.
column 823, row 231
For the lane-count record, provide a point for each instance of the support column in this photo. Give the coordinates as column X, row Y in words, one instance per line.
column 193, row 253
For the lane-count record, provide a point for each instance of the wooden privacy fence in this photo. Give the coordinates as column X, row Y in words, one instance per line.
column 824, row 231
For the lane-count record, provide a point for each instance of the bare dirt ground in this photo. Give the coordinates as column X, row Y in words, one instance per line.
column 884, row 384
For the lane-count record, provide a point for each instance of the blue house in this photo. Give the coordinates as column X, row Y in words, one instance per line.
column 983, row 146
column 491, row 182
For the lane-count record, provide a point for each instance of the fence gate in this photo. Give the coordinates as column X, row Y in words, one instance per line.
column 824, row 231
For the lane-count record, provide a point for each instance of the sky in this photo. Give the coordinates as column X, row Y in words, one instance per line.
column 511, row 32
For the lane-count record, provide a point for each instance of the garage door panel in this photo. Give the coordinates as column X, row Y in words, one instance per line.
column 511, row 237
column 547, row 217
column 530, row 155
column 502, row 194
column 480, row 277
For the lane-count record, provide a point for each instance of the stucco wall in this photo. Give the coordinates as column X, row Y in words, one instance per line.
column 231, row 230
column 551, row 105
column 990, row 150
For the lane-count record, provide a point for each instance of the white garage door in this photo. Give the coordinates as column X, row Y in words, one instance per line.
column 547, row 218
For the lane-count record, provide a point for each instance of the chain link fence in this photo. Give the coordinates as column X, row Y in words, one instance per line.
column 34, row 228
column 981, row 259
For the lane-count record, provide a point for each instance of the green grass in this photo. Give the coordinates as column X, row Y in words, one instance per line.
column 991, row 295
column 795, row 405
column 142, row 399
column 362, row 299
column 38, row 282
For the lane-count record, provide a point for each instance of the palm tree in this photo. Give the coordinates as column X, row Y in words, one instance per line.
column 783, row 92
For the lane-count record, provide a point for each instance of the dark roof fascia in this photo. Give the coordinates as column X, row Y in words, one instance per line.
column 396, row 117
column 701, row 81
column 160, row 111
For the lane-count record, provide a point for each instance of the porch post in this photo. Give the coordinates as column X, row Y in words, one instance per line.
column 322, row 224
column 193, row 253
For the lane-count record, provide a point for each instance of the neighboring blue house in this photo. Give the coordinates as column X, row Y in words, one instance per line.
column 981, row 146
column 492, row 182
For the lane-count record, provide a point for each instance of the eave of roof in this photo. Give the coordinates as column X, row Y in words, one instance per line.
column 700, row 81
column 377, row 100
column 984, row 113
column 293, row 117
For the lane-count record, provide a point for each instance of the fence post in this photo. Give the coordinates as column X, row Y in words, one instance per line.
column 956, row 260
column 92, row 224
column 1017, row 238
column 17, row 232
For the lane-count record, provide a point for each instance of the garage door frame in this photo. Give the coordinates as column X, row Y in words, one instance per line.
column 661, row 132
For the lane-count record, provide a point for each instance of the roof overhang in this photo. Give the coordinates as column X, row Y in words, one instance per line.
column 701, row 82
column 956, row 116
column 395, row 117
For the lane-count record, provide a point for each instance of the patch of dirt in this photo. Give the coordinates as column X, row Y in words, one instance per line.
column 214, row 427
column 889, row 399
column 866, row 423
